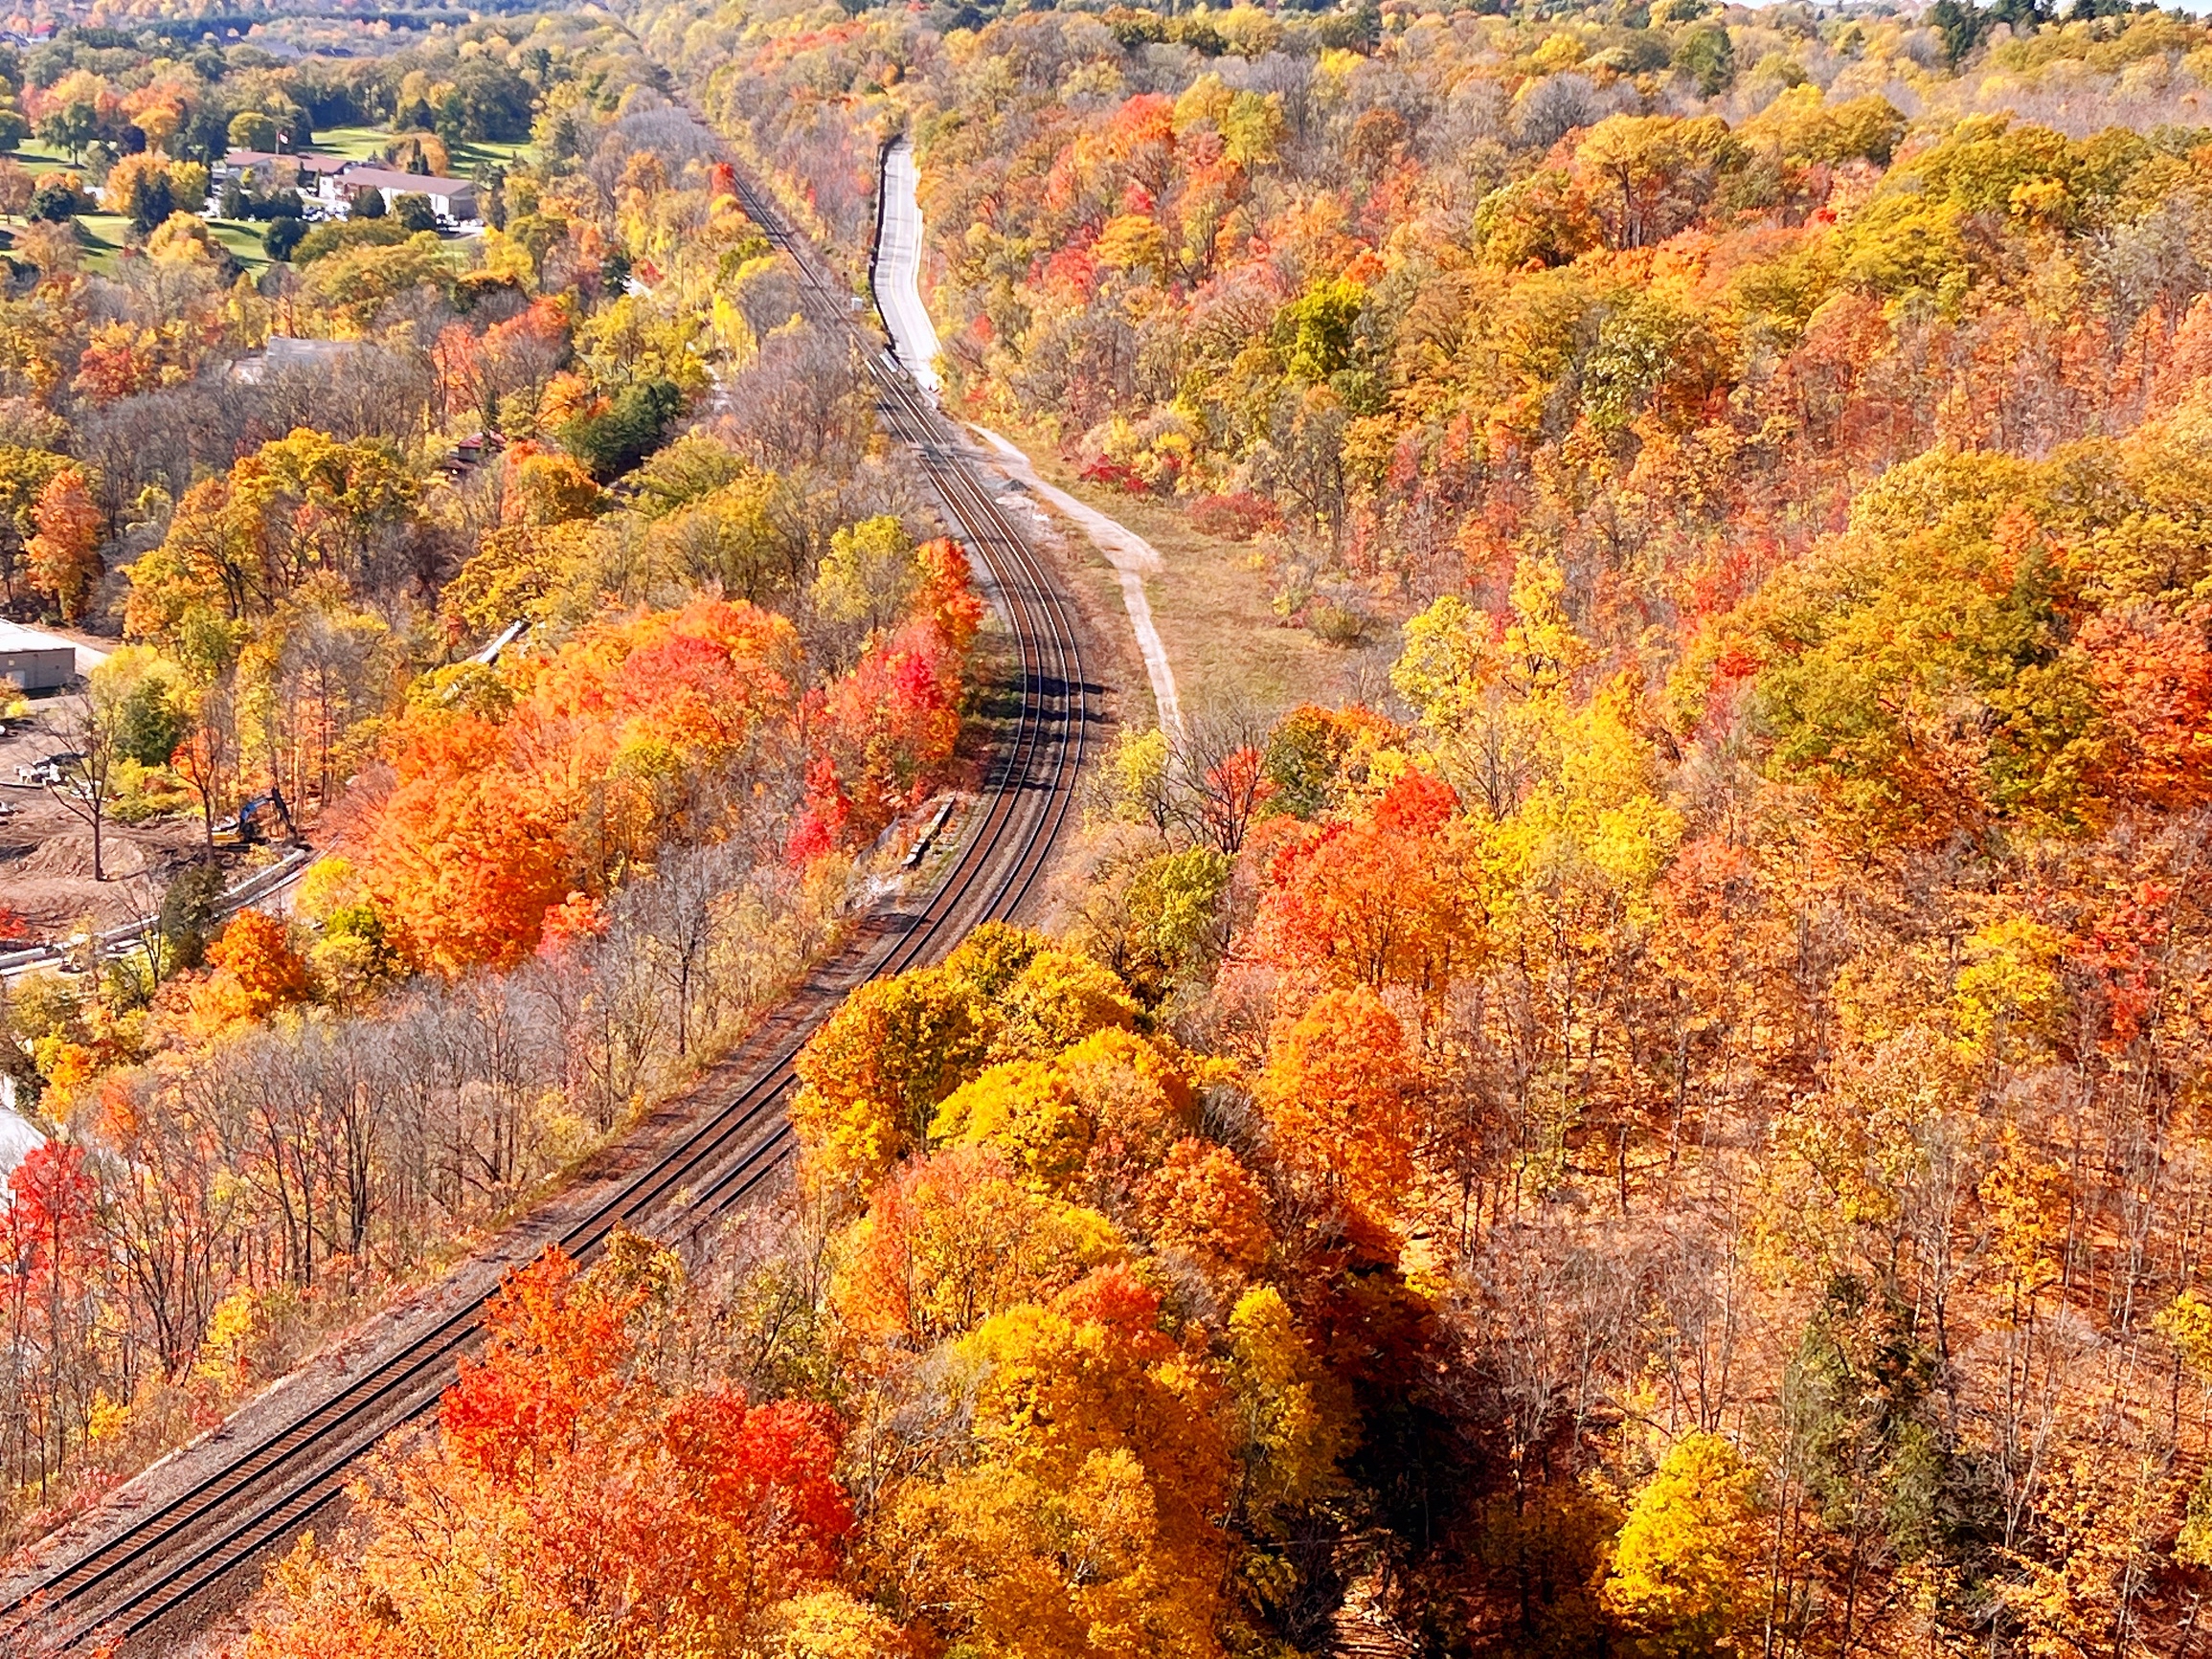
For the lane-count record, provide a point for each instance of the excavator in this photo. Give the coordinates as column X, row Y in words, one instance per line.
column 246, row 828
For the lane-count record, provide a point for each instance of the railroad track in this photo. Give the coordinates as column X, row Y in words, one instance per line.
column 145, row 1581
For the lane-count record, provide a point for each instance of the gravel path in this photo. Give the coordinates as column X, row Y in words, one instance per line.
column 1132, row 557
column 898, row 296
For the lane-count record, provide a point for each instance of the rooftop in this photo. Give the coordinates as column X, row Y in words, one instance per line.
column 14, row 637
column 313, row 164
column 392, row 179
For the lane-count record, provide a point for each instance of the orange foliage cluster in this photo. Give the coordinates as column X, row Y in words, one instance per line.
column 575, row 1495
column 579, row 766
column 615, row 743
column 882, row 734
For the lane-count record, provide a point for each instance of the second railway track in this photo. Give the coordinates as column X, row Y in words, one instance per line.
column 141, row 1581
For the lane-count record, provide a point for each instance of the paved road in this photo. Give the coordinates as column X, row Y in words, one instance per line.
column 898, row 269
column 897, row 279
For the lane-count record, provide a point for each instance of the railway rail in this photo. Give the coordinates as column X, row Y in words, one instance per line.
column 146, row 1580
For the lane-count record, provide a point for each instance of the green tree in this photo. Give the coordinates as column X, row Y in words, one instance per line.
column 251, row 130
column 613, row 442
column 191, row 910
column 283, row 238
column 148, row 723
column 1315, row 330
column 1172, row 902
column 1961, row 24
column 59, row 197
column 1708, row 56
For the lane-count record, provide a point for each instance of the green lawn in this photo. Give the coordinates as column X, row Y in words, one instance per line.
column 360, row 143
column 367, row 143
column 41, row 160
column 244, row 241
column 466, row 156
column 103, row 234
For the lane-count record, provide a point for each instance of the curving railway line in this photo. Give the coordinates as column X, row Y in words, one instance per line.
column 151, row 1579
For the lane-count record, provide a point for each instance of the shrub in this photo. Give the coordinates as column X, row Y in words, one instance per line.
column 1238, row 517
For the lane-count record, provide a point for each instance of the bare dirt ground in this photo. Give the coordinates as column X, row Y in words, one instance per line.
column 46, row 849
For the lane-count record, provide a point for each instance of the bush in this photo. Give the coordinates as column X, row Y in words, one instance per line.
column 1238, row 517
column 416, row 215
column 1114, row 475
column 1334, row 623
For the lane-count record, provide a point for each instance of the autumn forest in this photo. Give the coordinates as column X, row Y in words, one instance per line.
column 1624, row 1070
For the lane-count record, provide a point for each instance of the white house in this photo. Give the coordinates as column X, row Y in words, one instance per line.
column 266, row 169
column 452, row 200
column 286, row 352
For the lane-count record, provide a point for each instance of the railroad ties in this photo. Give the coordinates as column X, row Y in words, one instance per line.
column 145, row 1581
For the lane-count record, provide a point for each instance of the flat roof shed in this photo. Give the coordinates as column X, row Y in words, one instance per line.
column 33, row 661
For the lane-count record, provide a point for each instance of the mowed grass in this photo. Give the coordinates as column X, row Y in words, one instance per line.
column 368, row 143
column 106, row 235
column 41, row 160
column 243, row 239
column 358, row 143
column 103, row 235
column 1210, row 604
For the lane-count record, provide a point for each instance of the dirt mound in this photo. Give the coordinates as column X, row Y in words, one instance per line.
column 70, row 856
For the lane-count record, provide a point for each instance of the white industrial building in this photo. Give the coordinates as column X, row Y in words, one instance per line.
column 336, row 182
column 33, row 661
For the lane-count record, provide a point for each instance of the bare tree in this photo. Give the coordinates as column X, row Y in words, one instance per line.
column 207, row 760
column 1217, row 774
column 81, row 778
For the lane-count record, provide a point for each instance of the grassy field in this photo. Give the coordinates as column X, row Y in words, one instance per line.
column 41, row 160
column 243, row 241
column 367, row 143
column 102, row 236
column 1225, row 644
column 359, row 143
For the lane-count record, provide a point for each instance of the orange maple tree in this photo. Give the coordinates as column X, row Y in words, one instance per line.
column 64, row 552
column 575, row 1494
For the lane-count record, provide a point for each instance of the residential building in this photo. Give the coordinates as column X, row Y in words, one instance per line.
column 285, row 351
column 452, row 200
